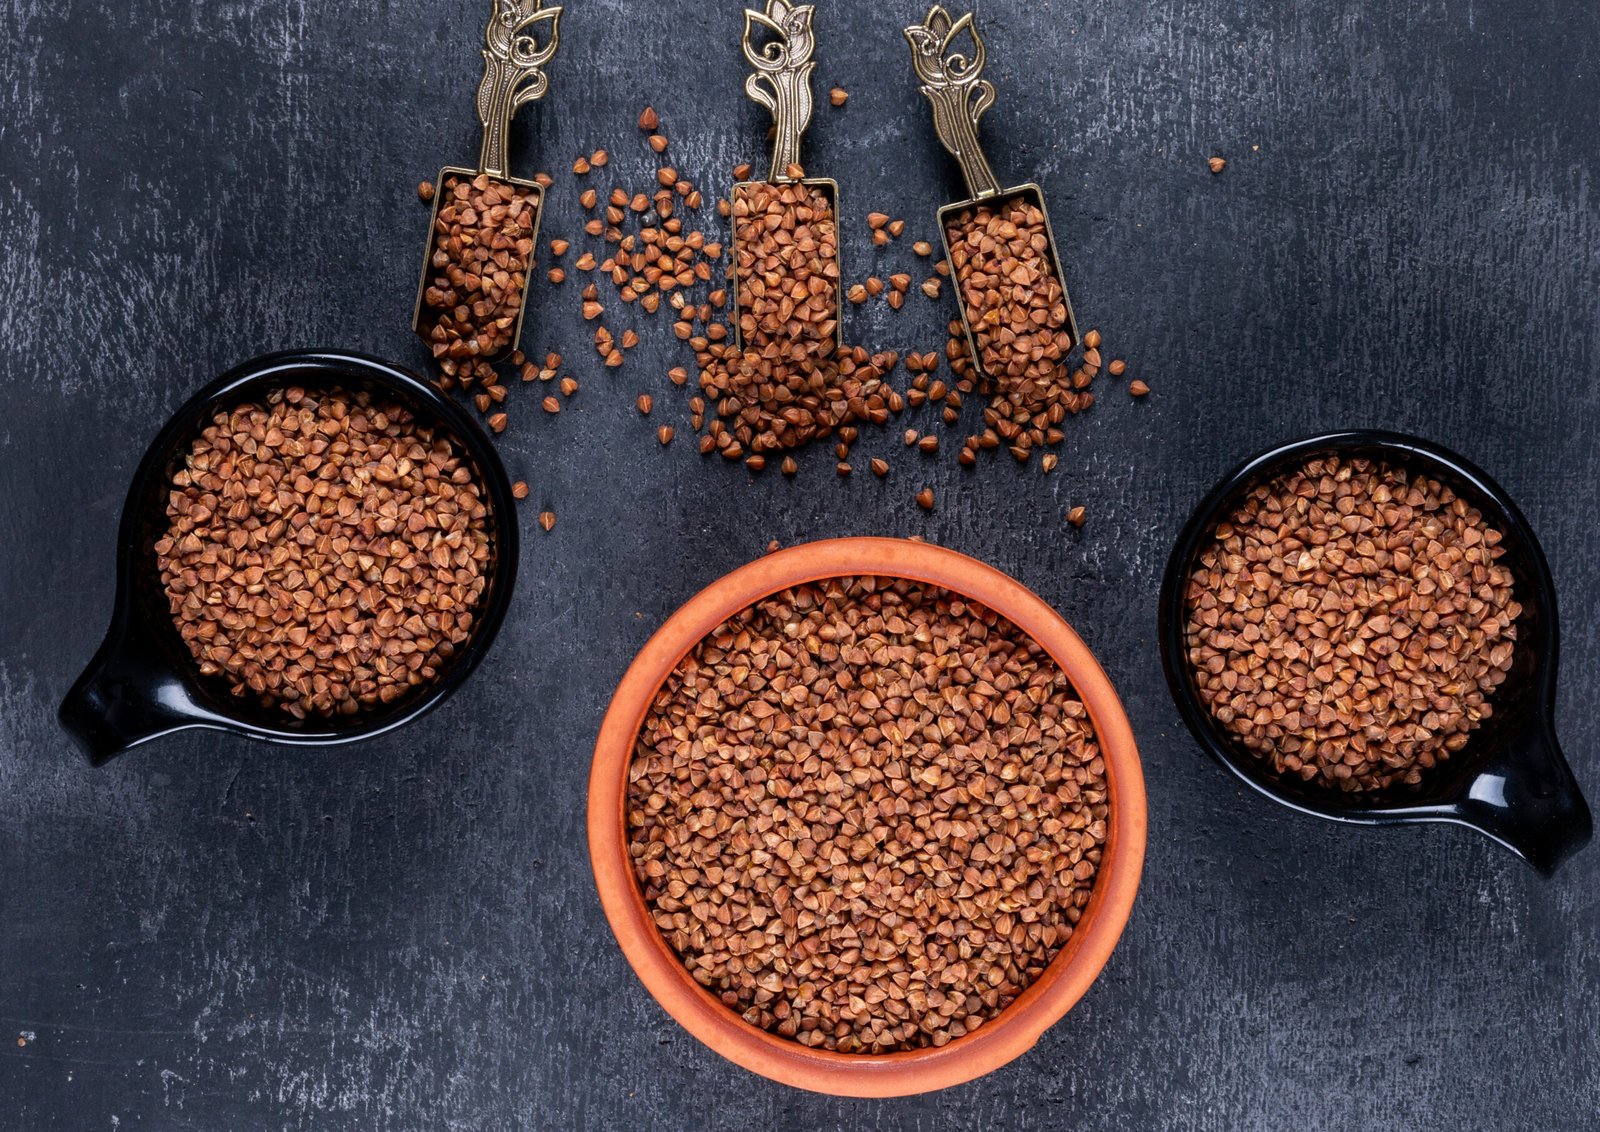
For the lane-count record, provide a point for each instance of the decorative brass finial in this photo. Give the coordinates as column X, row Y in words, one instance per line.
column 782, row 78
column 954, row 84
column 513, row 73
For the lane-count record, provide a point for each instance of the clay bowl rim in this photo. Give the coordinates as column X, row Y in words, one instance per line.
column 1069, row 974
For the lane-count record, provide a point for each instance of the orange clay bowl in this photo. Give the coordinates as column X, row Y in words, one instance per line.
column 1011, row 1033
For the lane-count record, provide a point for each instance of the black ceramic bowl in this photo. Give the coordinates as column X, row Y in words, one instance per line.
column 143, row 682
column 1511, row 780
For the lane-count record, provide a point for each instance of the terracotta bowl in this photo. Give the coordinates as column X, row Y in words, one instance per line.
column 1063, row 982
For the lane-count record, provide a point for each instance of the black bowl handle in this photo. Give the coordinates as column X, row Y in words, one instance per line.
column 123, row 699
column 1527, row 799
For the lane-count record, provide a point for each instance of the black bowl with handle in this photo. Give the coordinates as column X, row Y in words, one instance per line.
column 143, row 683
column 1511, row 780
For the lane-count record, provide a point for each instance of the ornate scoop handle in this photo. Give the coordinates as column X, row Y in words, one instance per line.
column 782, row 78
column 957, row 90
column 513, row 73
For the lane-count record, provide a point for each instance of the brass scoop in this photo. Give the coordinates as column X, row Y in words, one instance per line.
column 513, row 74
column 782, row 83
column 960, row 95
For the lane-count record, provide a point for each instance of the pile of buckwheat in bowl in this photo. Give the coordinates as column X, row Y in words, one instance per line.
column 325, row 551
column 866, row 813
column 1349, row 624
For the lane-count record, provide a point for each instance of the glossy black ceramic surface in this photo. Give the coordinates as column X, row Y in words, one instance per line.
column 142, row 683
column 1510, row 781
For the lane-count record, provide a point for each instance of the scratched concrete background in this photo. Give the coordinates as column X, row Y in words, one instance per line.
column 214, row 934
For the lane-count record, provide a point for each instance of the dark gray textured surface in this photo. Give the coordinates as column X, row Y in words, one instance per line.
column 211, row 934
